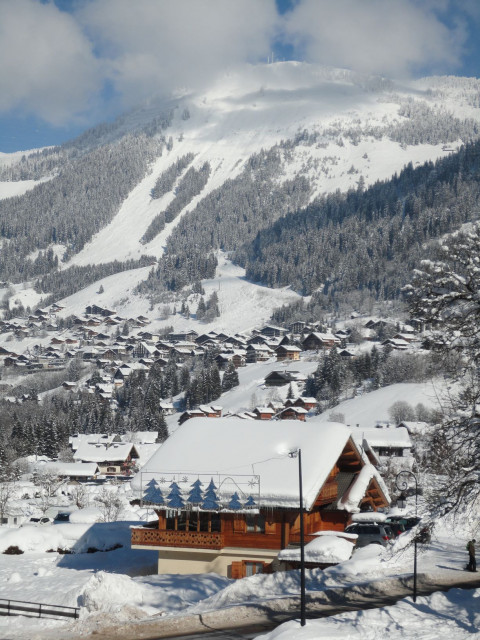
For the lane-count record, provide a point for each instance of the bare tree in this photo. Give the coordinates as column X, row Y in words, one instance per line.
column 79, row 495
column 400, row 411
column 7, row 492
column 48, row 483
column 109, row 504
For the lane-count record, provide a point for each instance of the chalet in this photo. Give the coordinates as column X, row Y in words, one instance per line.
column 273, row 332
column 264, row 413
column 258, row 353
column 406, row 337
column 315, row 341
column 395, row 343
column 203, row 411
column 92, row 438
column 287, row 352
column 73, row 472
column 303, row 402
column 95, row 310
column 236, row 521
column 293, row 413
column 182, row 337
column 189, row 414
column 386, row 442
column 345, row 353
column 280, row 378
column 166, row 408
column 297, row 327
column 113, row 459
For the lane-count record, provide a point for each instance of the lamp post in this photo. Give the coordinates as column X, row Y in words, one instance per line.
column 298, row 454
column 401, row 482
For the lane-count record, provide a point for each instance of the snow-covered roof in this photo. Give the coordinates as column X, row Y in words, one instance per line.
column 80, row 438
column 140, row 437
column 98, row 452
column 397, row 437
column 145, row 452
column 356, row 492
column 70, row 469
column 232, row 446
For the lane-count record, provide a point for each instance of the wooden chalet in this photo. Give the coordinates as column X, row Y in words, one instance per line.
column 303, row 402
column 113, row 459
column 280, row 378
column 264, row 413
column 293, row 413
column 203, row 411
column 234, row 522
column 287, row 352
column 315, row 341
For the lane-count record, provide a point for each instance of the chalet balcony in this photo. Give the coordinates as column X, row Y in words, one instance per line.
column 186, row 539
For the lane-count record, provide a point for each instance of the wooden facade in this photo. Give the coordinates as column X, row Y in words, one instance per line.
column 252, row 539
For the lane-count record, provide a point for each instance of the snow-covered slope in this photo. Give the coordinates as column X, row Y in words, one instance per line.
column 256, row 108
column 341, row 129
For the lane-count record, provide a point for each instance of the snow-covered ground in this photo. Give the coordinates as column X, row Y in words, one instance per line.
column 113, row 587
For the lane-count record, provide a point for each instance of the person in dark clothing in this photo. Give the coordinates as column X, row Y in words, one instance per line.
column 472, row 562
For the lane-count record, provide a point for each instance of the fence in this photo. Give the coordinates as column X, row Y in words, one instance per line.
column 36, row 609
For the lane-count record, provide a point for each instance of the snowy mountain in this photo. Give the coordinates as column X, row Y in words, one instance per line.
column 297, row 130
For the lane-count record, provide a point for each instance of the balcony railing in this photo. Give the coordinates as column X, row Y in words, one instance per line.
column 187, row 539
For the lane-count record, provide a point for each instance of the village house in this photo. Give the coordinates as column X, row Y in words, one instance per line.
column 287, row 352
column 292, row 413
column 258, row 353
column 315, row 341
column 113, row 459
column 386, row 442
column 71, row 472
column 263, row 413
column 236, row 521
column 303, row 402
column 203, row 411
column 281, row 378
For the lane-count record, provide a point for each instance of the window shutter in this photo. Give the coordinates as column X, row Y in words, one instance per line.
column 239, row 524
column 270, row 527
column 236, row 570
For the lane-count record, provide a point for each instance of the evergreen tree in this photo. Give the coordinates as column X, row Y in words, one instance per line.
column 230, row 377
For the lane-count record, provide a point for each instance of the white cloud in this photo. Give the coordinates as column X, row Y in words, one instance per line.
column 46, row 63
column 374, row 36
column 153, row 46
column 54, row 64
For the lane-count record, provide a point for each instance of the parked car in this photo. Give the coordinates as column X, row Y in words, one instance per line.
column 396, row 525
column 37, row 521
column 61, row 517
column 371, row 533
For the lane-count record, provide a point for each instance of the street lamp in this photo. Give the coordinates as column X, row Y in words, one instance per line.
column 298, row 454
column 401, row 482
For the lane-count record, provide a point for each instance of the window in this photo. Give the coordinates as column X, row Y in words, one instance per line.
column 251, row 568
column 192, row 521
column 255, row 523
column 111, row 469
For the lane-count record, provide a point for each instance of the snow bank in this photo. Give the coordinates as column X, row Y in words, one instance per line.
column 110, row 592
column 77, row 538
column 86, row 516
column 327, row 549
column 454, row 615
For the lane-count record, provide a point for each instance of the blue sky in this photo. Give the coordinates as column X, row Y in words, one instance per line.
column 66, row 65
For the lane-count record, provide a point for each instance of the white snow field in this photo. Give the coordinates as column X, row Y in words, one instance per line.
column 113, row 587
